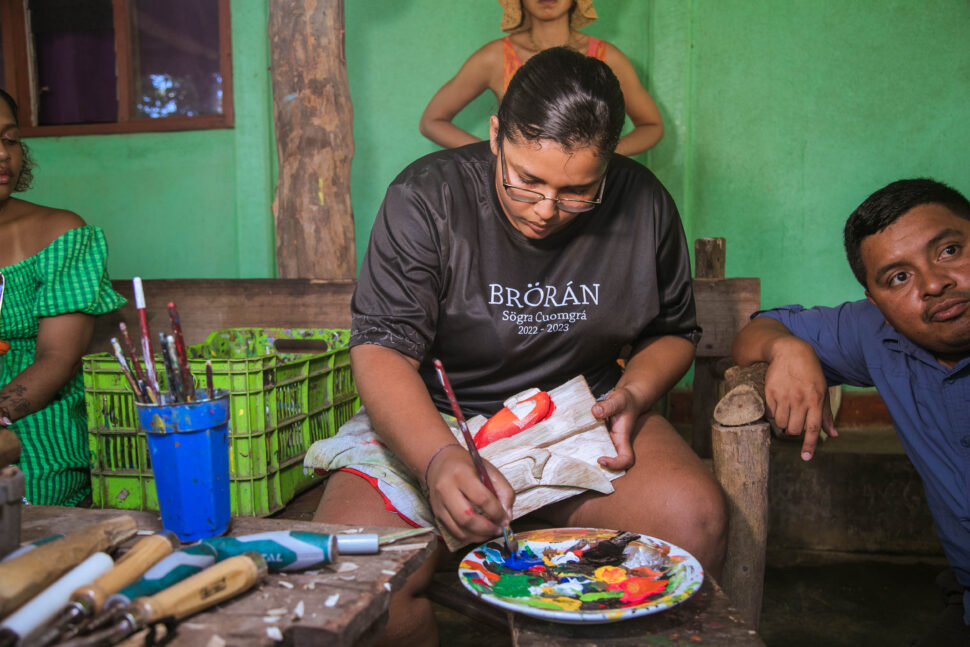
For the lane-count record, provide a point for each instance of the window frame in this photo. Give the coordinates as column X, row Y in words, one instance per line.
column 18, row 72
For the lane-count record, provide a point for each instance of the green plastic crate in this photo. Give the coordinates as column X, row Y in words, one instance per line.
column 280, row 401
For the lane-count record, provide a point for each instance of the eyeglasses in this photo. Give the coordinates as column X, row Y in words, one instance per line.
column 570, row 205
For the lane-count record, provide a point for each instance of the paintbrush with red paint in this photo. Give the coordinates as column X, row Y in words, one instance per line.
column 510, row 543
column 183, row 359
column 146, row 341
column 132, row 354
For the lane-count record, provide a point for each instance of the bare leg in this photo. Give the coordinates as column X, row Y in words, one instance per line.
column 349, row 499
column 669, row 494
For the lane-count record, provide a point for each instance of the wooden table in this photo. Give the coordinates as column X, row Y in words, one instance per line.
column 357, row 616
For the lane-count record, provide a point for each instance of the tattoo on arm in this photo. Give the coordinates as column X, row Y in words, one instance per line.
column 12, row 400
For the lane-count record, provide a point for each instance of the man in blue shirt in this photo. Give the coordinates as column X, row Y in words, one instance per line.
column 908, row 244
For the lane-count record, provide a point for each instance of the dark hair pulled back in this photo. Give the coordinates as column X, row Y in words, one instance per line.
column 563, row 96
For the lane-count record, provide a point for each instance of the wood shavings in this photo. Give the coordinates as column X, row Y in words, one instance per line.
column 281, row 611
column 403, row 547
column 298, row 610
column 313, row 584
column 274, row 633
column 387, row 572
column 216, row 641
column 387, row 586
column 285, row 585
column 316, row 572
column 345, row 571
column 332, row 600
column 271, row 619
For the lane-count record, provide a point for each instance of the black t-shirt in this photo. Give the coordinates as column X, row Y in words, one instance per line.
column 447, row 276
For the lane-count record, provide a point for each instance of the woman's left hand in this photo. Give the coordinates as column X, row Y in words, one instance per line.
column 619, row 410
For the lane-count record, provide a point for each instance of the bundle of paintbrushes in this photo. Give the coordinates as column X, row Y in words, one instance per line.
column 142, row 375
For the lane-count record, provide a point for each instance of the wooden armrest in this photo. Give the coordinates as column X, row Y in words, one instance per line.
column 744, row 402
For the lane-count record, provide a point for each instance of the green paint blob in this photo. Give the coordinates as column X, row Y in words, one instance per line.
column 515, row 586
column 600, row 595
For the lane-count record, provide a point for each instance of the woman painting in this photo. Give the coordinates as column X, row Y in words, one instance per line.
column 464, row 237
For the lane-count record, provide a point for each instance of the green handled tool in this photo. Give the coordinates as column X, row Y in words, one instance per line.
column 295, row 550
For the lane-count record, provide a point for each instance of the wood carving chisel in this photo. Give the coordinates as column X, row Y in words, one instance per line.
column 215, row 584
column 26, row 576
column 88, row 600
column 24, row 621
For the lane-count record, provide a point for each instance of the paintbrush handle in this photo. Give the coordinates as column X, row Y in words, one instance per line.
column 209, row 390
column 469, row 442
column 120, row 356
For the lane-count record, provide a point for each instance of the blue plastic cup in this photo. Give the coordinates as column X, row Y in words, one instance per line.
column 189, row 447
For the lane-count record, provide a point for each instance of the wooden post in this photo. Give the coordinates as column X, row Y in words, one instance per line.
column 741, row 467
column 314, row 140
column 709, row 258
column 741, row 438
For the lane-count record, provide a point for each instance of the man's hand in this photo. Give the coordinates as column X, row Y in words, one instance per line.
column 797, row 394
column 461, row 501
column 619, row 411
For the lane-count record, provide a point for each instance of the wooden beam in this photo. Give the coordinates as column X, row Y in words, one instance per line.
column 314, row 140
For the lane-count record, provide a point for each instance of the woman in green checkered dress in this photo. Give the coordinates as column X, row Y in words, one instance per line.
column 55, row 282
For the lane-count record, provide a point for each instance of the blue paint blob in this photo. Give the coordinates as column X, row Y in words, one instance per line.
column 523, row 560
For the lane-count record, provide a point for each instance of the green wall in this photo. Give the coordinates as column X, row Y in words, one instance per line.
column 781, row 116
column 799, row 110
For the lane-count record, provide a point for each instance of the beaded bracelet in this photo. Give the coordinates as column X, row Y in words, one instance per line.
column 434, row 456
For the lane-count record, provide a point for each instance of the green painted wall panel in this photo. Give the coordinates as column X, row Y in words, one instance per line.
column 801, row 109
column 161, row 199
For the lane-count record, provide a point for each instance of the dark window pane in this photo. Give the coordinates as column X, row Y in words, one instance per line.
column 175, row 56
column 75, row 53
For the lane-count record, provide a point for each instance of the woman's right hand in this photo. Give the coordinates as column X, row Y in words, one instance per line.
column 460, row 500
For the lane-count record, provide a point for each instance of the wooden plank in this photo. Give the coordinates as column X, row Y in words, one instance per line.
column 313, row 116
column 707, row 618
column 724, row 306
column 211, row 304
column 356, row 618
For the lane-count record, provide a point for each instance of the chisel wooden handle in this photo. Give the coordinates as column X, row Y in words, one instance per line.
column 145, row 553
column 9, row 447
column 219, row 582
column 27, row 575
